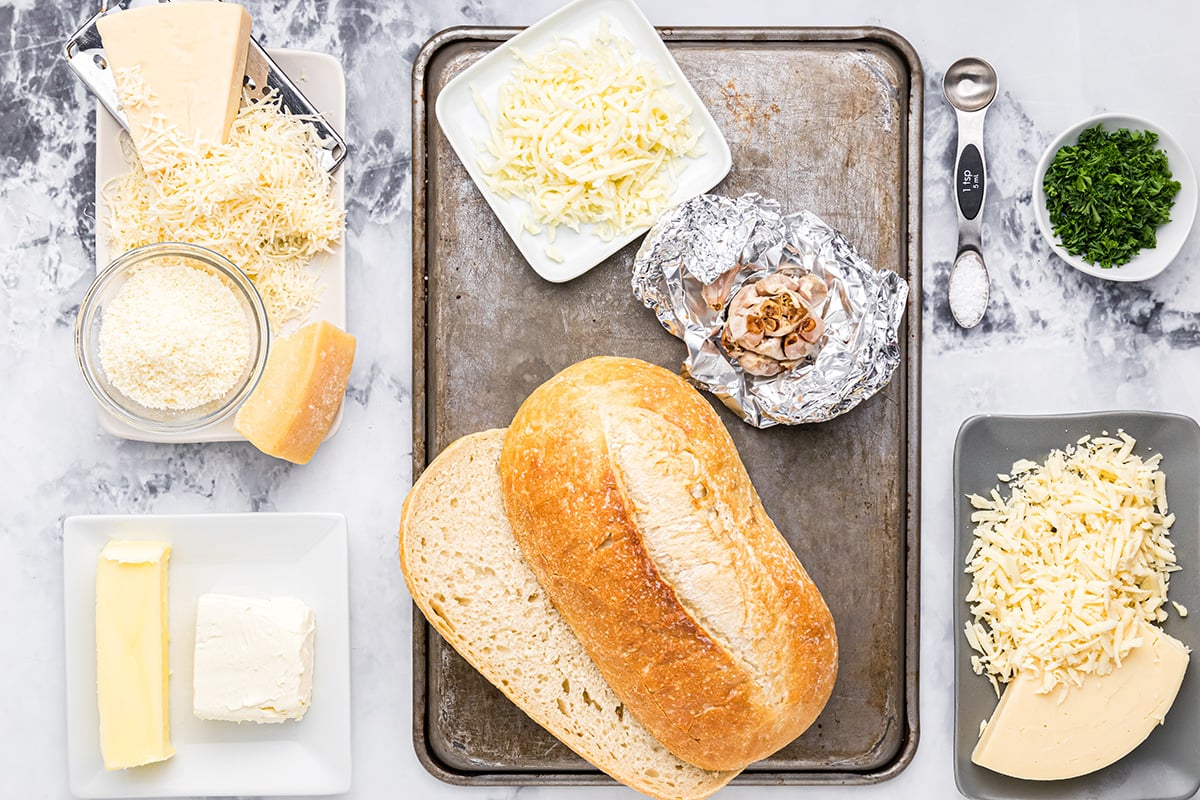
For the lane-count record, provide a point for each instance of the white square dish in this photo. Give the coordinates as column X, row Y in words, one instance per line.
column 255, row 555
column 321, row 79
column 466, row 129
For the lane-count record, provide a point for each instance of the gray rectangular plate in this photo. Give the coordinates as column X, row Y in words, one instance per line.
column 823, row 119
column 1165, row 765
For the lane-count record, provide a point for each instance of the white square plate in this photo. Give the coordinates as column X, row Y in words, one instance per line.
column 257, row 555
column 320, row 78
column 467, row 130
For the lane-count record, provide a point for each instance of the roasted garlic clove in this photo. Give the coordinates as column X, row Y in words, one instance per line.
column 795, row 348
column 771, row 347
column 813, row 290
column 779, row 282
column 759, row 365
column 812, row 329
column 716, row 293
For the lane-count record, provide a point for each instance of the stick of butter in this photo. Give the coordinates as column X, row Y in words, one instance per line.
column 131, row 653
column 293, row 406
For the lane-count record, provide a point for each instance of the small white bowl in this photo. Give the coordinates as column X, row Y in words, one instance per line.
column 1149, row 261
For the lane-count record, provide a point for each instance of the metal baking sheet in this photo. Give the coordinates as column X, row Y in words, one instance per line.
column 827, row 119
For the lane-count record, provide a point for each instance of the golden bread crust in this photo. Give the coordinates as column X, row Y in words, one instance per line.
column 630, row 503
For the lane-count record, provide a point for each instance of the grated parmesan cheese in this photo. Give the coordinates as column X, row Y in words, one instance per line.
column 173, row 338
column 262, row 200
column 586, row 133
column 1070, row 564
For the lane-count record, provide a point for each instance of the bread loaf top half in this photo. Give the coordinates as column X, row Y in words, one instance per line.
column 628, row 500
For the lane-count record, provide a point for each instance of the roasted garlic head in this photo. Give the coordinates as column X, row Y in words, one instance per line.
column 774, row 323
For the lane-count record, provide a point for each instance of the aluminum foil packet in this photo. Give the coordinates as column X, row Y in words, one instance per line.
column 691, row 268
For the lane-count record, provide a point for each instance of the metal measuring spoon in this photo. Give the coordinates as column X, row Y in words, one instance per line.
column 970, row 85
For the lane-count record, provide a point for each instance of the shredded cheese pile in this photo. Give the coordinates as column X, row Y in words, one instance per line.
column 262, row 200
column 1066, row 569
column 139, row 103
column 587, row 133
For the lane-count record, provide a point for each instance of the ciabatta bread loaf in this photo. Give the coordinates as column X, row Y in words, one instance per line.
column 631, row 505
column 465, row 572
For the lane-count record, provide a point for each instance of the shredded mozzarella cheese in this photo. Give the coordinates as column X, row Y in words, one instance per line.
column 262, row 200
column 1067, row 567
column 587, row 133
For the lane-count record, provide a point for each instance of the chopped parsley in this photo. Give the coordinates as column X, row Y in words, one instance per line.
column 1108, row 194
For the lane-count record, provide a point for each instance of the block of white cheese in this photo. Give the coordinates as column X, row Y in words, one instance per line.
column 131, row 653
column 254, row 659
column 178, row 67
column 1038, row 737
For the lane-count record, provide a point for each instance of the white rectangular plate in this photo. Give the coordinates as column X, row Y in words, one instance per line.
column 320, row 78
column 257, row 555
column 467, row 130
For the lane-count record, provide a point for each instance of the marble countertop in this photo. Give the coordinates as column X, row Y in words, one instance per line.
column 1054, row 340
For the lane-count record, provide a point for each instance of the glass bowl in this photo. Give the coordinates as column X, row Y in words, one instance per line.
column 106, row 287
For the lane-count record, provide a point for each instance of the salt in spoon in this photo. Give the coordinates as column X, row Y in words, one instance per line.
column 970, row 86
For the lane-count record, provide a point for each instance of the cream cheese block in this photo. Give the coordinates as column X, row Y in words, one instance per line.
column 254, row 659
column 177, row 66
column 132, row 675
column 1051, row 737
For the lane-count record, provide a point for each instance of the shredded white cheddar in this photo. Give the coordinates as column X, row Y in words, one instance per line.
column 1066, row 568
column 587, row 133
column 262, row 200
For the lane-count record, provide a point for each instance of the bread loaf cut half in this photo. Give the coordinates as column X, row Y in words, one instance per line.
column 467, row 575
column 629, row 501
